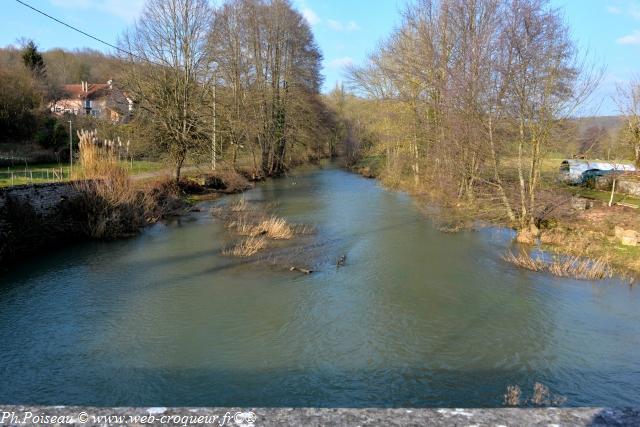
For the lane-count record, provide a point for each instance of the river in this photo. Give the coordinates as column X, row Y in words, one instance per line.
column 416, row 317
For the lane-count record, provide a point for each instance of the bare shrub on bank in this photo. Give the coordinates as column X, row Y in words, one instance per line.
column 108, row 203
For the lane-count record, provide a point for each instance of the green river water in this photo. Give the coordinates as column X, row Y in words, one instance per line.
column 416, row 318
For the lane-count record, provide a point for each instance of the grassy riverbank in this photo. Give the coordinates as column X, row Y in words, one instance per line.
column 54, row 172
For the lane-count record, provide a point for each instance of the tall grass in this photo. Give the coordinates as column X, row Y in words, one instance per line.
column 563, row 266
column 258, row 224
column 246, row 247
column 110, row 204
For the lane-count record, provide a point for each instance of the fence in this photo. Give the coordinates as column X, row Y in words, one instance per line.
column 27, row 175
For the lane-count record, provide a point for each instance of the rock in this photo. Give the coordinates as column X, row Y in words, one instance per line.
column 581, row 204
column 626, row 237
column 525, row 236
column 629, row 238
column 535, row 231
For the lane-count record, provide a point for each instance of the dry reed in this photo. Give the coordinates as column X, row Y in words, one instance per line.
column 542, row 396
column 512, row 396
column 246, row 247
column 275, row 228
column 255, row 222
column 563, row 266
column 108, row 202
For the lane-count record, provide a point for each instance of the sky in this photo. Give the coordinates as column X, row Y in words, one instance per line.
column 346, row 31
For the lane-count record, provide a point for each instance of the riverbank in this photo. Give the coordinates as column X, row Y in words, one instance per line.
column 36, row 218
column 573, row 225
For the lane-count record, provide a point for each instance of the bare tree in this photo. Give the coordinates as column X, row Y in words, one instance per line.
column 628, row 100
column 168, row 70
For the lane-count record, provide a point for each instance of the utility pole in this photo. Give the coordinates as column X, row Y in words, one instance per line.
column 213, row 139
column 70, row 148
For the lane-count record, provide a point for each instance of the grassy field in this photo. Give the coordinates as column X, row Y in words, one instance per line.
column 35, row 174
column 604, row 196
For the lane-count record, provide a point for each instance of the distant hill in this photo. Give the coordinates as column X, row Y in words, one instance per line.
column 610, row 123
column 591, row 137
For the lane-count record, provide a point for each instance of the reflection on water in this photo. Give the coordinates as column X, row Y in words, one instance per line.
column 415, row 318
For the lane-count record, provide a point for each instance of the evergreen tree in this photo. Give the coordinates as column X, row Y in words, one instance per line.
column 33, row 59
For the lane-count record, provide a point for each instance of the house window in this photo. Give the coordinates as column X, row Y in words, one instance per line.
column 87, row 104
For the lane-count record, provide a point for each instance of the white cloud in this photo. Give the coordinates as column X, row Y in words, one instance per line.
column 311, row 17
column 352, row 26
column 630, row 39
column 614, row 10
column 335, row 25
column 339, row 26
column 341, row 62
column 127, row 10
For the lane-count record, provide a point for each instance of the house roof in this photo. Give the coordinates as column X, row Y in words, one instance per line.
column 95, row 90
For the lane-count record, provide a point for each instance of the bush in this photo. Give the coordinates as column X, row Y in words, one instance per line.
column 52, row 134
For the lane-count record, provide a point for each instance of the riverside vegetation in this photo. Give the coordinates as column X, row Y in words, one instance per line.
column 463, row 104
column 257, row 225
column 234, row 87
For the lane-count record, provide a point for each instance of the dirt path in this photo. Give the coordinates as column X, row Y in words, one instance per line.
column 202, row 168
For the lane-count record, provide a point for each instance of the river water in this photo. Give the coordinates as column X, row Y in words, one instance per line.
column 416, row 318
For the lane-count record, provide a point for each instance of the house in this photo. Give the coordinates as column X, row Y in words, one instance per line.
column 100, row 100
column 575, row 171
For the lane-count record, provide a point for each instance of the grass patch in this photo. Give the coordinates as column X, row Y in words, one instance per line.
column 604, row 196
column 54, row 172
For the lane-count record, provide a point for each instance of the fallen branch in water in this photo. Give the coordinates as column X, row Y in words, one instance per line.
column 302, row 270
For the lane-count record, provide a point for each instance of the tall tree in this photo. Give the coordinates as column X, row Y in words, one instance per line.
column 168, row 70
column 33, row 60
column 628, row 100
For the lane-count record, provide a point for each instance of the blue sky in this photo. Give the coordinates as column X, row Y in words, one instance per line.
column 346, row 30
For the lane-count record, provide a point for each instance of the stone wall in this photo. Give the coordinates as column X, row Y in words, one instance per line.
column 249, row 417
column 625, row 184
column 629, row 186
column 43, row 198
column 31, row 217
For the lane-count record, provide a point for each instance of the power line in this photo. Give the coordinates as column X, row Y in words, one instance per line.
column 82, row 32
